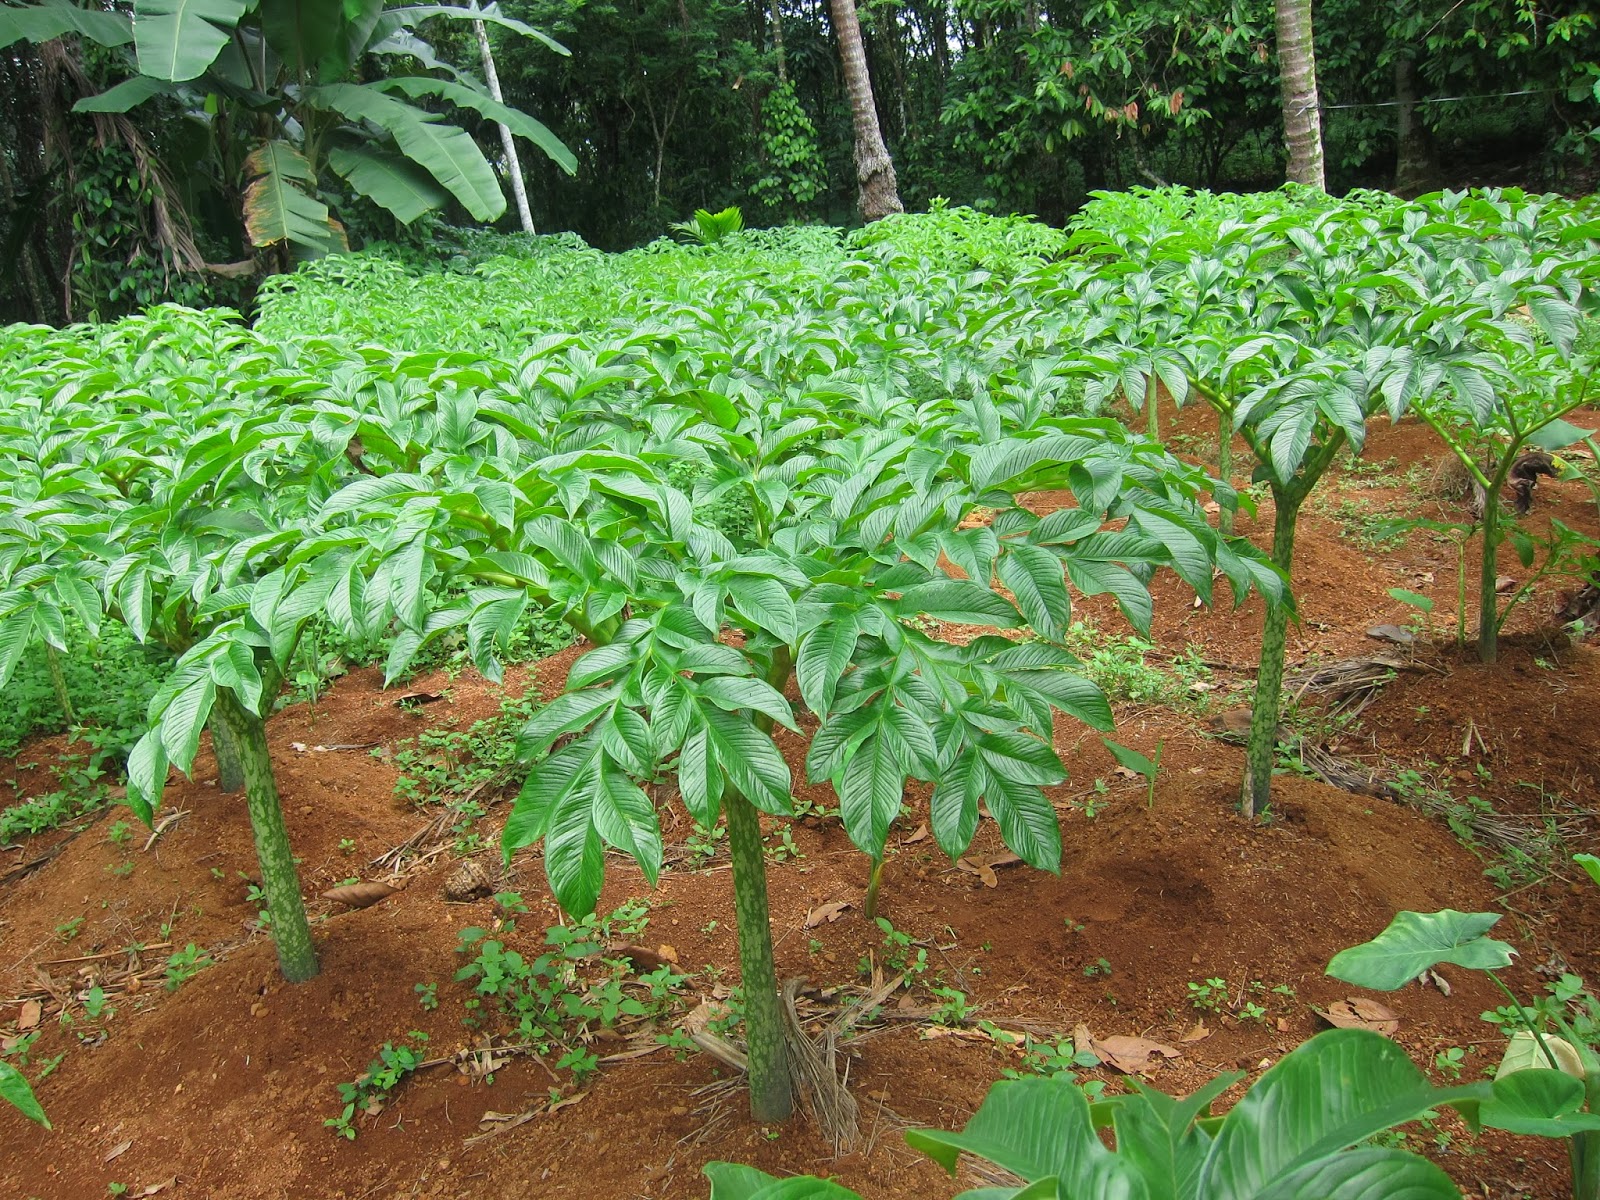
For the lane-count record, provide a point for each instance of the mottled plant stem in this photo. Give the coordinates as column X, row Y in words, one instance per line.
column 291, row 933
column 1263, row 745
column 771, row 1097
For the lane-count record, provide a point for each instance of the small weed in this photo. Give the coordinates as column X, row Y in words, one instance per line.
column 184, row 966
column 69, row 929
column 427, row 996
column 1210, row 996
column 1450, row 1061
column 953, row 1008
column 347, row 845
column 119, row 834
column 1099, row 968
column 371, row 1091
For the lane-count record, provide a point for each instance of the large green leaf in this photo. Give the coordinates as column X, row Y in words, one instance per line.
column 1370, row 1173
column 14, row 1090
column 179, row 39
column 1037, row 1128
column 125, row 96
column 276, row 206
column 513, row 119
column 48, row 21
column 1414, row 942
column 1340, row 1088
column 388, row 180
column 730, row 1181
column 445, row 151
column 489, row 14
column 303, row 32
column 1539, row 1102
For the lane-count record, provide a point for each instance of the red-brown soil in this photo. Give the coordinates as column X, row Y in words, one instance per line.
column 220, row 1088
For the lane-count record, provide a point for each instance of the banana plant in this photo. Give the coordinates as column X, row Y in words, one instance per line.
column 285, row 68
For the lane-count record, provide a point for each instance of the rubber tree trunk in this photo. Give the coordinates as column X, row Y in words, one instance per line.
column 519, row 190
column 1297, row 68
column 225, row 749
column 879, row 193
column 775, row 16
column 291, row 933
column 1488, row 594
column 771, row 1095
column 1414, row 165
column 1263, row 745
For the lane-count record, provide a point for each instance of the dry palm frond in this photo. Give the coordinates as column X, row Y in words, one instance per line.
column 1347, row 686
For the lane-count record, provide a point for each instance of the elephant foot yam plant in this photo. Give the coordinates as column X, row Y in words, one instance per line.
column 696, row 640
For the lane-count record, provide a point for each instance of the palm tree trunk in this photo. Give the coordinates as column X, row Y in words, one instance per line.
column 1297, row 68
column 519, row 190
column 879, row 193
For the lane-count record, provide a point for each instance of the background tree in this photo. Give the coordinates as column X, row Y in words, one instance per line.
column 879, row 193
column 1302, row 104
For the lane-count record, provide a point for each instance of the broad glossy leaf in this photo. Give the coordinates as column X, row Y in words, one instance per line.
column 14, row 1090
column 1037, row 1128
column 179, row 39
column 1414, row 942
column 1539, row 1102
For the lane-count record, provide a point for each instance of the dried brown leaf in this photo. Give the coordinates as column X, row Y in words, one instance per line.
column 32, row 1012
column 360, row 895
column 824, row 914
column 1358, row 1012
column 1131, row 1055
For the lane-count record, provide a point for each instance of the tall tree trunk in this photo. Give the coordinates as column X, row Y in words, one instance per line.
column 1297, row 68
column 519, row 190
column 1414, row 165
column 775, row 15
column 879, row 190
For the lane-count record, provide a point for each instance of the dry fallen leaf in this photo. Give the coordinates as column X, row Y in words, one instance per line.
column 1360, row 1013
column 155, row 1189
column 1131, row 1055
column 117, row 1151
column 360, row 895
column 1082, row 1039
column 824, row 914
column 32, row 1011
column 418, row 698
column 1197, row 1034
column 982, row 870
column 667, row 953
column 921, row 835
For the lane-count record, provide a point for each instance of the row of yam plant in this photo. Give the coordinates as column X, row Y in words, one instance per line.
column 740, row 473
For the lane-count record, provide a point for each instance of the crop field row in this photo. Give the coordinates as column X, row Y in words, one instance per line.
column 840, row 526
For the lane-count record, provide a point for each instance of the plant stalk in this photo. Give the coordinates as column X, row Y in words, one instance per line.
column 1152, row 419
column 291, row 933
column 58, row 681
column 1263, row 744
column 771, row 1097
column 225, row 748
column 869, row 906
column 1488, row 603
column 1224, row 468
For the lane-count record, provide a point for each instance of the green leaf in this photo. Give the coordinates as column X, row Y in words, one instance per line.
column 825, row 655
column 513, row 119
column 959, row 600
column 733, row 693
column 48, row 21
column 1027, row 820
column 124, row 97
column 1591, row 866
column 1415, row 599
column 179, row 39
column 1038, row 581
column 871, row 788
column 183, row 720
column 489, row 13
column 751, row 761
column 730, row 1181
column 767, row 603
column 147, row 775
column 1340, row 1088
column 1370, row 1173
column 1539, row 1102
column 1130, row 758
column 1557, row 435
column 15, row 1091
column 389, row 180
column 276, row 205
column 567, row 713
column 1037, row 1128
column 449, row 154
column 302, row 33
column 1414, row 942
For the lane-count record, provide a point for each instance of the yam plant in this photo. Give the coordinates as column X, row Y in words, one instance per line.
column 832, row 594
